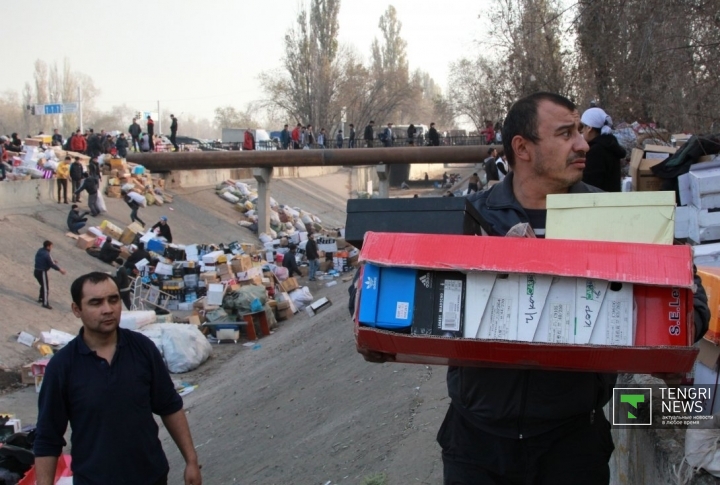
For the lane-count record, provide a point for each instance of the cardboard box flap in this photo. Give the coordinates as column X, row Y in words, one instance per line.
column 648, row 264
column 608, row 199
column 660, row 149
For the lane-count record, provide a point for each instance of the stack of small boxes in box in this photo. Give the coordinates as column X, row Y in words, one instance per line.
column 123, row 174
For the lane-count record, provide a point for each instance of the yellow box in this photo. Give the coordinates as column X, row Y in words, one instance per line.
column 640, row 217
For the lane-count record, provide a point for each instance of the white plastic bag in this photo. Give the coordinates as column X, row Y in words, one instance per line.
column 183, row 347
column 301, row 297
column 701, row 450
column 139, row 198
column 101, row 202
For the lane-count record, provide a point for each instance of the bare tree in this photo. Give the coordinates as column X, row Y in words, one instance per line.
column 229, row 117
column 476, row 92
column 306, row 88
column 646, row 62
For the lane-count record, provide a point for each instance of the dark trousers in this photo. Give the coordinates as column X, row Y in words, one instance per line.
column 172, row 140
column 136, row 143
column 150, row 142
column 577, row 452
column 42, row 278
column 472, row 188
column 75, row 228
column 75, row 186
column 162, row 481
column 127, row 300
column 62, row 187
column 134, row 217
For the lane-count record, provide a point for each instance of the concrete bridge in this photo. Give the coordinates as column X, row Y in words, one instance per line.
column 263, row 163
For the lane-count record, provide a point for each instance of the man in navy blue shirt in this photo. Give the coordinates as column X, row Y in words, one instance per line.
column 108, row 382
column 44, row 263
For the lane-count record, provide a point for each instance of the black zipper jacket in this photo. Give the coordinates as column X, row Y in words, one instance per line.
column 523, row 403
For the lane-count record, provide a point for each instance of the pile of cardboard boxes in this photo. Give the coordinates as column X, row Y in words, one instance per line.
column 123, row 174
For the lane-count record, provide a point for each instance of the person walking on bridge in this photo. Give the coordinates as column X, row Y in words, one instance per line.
column 173, row 132
column 369, row 134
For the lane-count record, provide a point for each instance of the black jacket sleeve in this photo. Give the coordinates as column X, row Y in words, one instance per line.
column 701, row 311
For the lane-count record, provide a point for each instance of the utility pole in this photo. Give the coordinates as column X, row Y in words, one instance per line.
column 159, row 120
column 80, row 108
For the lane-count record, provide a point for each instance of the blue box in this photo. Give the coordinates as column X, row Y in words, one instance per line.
column 156, row 246
column 387, row 297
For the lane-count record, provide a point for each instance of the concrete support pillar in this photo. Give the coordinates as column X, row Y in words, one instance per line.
column 263, row 176
column 383, row 172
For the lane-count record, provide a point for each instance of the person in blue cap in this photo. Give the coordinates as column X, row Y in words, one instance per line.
column 164, row 229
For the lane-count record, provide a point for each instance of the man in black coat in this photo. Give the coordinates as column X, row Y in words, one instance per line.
column 122, row 145
column 76, row 220
column 76, row 176
column 433, row 136
column 173, row 132
column 313, row 256
column 135, row 130
column 164, row 229
column 290, row 262
column 369, row 134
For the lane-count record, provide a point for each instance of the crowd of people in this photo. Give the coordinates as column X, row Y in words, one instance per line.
column 305, row 137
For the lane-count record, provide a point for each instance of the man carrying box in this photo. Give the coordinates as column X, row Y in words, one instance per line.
column 507, row 426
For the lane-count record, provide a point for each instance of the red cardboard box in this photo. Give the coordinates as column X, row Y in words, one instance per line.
column 662, row 277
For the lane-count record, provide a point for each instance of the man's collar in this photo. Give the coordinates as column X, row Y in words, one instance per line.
column 502, row 194
column 85, row 350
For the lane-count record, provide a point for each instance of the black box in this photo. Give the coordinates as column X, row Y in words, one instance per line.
column 427, row 215
column 439, row 303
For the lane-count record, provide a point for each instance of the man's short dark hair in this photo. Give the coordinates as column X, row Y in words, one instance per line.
column 76, row 289
column 47, row 244
column 490, row 150
column 352, row 126
column 371, row 122
column 522, row 119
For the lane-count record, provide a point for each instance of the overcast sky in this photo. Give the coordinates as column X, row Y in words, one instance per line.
column 194, row 56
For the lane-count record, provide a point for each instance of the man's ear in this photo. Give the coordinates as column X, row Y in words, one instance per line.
column 75, row 309
column 521, row 149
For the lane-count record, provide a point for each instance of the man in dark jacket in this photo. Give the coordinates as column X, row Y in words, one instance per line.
column 76, row 220
column 76, row 176
column 173, row 132
column 91, row 185
column 532, row 426
column 94, row 168
column 44, row 263
column 290, row 262
column 603, row 160
column 108, row 251
column 313, row 256
column 135, row 130
column 285, row 138
column 433, row 136
column 369, row 134
column 124, row 283
column 351, row 136
column 138, row 255
column 122, row 145
column 163, row 229
column 57, row 139
column 94, row 144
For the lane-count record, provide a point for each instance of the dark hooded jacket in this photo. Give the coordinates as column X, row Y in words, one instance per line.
column 602, row 163
column 523, row 403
